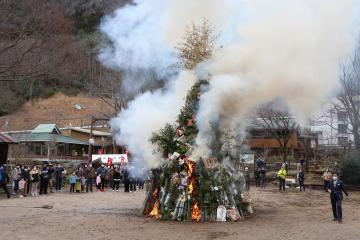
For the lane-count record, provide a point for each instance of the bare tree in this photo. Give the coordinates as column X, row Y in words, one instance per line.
column 349, row 98
column 28, row 32
column 280, row 125
column 197, row 46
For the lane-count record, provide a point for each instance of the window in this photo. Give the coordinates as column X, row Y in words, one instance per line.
column 341, row 116
column 342, row 128
column 342, row 141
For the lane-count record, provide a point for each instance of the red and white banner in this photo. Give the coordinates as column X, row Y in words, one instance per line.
column 111, row 159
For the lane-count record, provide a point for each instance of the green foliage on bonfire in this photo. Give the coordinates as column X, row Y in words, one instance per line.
column 164, row 139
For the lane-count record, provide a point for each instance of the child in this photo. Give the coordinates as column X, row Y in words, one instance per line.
column 22, row 183
column 98, row 182
column 73, row 179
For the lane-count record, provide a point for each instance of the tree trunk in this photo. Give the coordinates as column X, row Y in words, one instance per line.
column 284, row 154
column 356, row 137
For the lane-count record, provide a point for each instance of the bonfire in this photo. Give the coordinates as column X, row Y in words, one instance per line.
column 186, row 189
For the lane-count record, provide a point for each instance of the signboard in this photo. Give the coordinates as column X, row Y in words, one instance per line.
column 247, row 158
column 111, row 159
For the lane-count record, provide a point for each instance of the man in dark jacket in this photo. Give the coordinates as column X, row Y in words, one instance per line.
column 44, row 180
column 89, row 174
column 116, row 180
column 50, row 174
column 336, row 187
column 3, row 180
column 301, row 177
column 25, row 174
column 103, row 171
column 58, row 177
column 126, row 179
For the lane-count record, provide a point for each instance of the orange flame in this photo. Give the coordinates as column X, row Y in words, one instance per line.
column 196, row 213
column 190, row 166
column 155, row 211
column 191, row 187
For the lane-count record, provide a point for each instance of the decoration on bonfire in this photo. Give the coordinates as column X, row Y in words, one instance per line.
column 185, row 189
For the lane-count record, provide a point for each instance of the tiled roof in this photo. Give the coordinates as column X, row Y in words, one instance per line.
column 46, row 137
column 46, row 128
column 4, row 138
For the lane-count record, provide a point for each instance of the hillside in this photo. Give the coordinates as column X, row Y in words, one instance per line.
column 59, row 109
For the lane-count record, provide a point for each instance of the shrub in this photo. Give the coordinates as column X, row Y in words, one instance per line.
column 350, row 168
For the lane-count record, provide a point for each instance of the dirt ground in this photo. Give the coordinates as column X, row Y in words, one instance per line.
column 113, row 215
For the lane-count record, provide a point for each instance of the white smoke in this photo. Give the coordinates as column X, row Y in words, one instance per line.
column 289, row 51
column 148, row 113
column 137, row 34
column 282, row 50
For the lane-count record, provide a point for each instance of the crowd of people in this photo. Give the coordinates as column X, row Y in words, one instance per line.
column 32, row 181
column 41, row 180
column 38, row 180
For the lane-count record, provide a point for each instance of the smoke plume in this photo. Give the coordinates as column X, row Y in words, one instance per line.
column 288, row 51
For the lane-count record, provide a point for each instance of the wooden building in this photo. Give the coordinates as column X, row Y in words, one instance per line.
column 5, row 141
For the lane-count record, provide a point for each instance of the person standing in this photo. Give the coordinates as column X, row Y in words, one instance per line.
column 126, row 180
column 16, row 176
column 103, row 174
column 282, row 177
column 301, row 178
column 3, row 180
column 44, row 180
column 132, row 179
column 73, row 179
column 116, row 180
column 257, row 177
column 327, row 176
column 247, row 179
column 141, row 179
column 25, row 174
column 58, row 177
column 336, row 188
column 110, row 176
column 98, row 182
column 50, row 174
column 35, row 179
column 263, row 173
column 90, row 174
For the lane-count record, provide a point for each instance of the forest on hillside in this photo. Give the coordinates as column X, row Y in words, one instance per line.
column 52, row 46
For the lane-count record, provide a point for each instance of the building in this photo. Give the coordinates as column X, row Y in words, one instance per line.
column 46, row 142
column 333, row 125
column 267, row 140
column 102, row 138
column 5, row 141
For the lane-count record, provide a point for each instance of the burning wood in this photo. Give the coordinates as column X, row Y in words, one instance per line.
column 155, row 210
column 192, row 190
column 196, row 213
column 190, row 167
column 191, row 186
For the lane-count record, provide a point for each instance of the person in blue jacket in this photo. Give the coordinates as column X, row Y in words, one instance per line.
column 336, row 188
column 3, row 180
column 73, row 179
